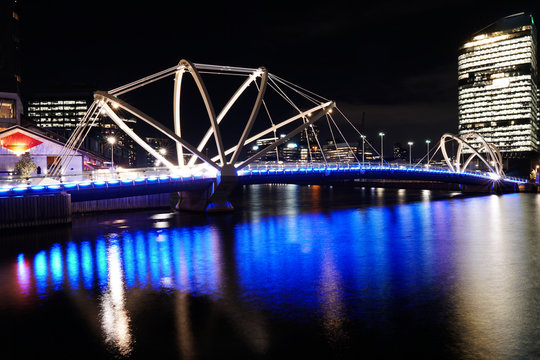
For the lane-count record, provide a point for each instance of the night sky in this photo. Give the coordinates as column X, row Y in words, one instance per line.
column 394, row 60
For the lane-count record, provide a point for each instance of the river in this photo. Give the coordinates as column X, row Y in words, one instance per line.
column 294, row 272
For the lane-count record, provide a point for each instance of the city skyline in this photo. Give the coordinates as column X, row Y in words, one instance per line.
column 397, row 63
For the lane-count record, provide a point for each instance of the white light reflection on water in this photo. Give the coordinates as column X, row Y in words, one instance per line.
column 114, row 316
column 491, row 310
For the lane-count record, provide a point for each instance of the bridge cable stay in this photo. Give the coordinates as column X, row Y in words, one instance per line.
column 346, row 142
column 79, row 143
column 310, row 98
column 76, row 139
column 271, row 123
column 433, row 152
column 67, row 146
column 358, row 132
column 333, row 137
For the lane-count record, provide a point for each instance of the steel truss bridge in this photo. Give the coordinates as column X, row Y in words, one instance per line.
column 205, row 181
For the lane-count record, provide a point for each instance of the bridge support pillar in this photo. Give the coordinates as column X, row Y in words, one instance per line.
column 213, row 199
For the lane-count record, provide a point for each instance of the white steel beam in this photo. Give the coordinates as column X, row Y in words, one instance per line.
column 226, row 109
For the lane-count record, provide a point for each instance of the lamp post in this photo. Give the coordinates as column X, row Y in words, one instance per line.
column 363, row 152
column 410, row 152
column 112, row 140
column 427, row 142
column 381, row 134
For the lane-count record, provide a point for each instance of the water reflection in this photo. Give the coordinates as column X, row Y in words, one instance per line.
column 114, row 316
column 461, row 264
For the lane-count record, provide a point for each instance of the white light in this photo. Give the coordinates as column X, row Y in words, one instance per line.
column 111, row 140
column 292, row 146
column 163, row 151
column 500, row 83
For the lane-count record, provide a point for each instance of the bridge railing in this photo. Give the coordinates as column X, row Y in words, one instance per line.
column 255, row 168
column 264, row 167
column 95, row 175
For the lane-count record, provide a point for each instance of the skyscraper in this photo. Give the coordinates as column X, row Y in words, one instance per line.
column 11, row 106
column 497, row 86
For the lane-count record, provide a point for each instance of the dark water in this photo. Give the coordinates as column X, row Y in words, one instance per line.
column 295, row 272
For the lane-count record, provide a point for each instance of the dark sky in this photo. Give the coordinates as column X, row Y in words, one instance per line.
column 394, row 60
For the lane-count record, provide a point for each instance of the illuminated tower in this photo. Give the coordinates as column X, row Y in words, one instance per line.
column 497, row 72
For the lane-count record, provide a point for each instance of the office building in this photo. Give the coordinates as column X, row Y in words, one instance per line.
column 11, row 106
column 497, row 87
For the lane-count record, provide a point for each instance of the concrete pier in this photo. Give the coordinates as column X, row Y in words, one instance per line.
column 124, row 203
column 24, row 211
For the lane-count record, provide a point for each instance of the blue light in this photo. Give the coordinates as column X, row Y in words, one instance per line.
column 142, row 272
column 20, row 188
column 53, row 187
column 55, row 259
column 70, row 185
column 127, row 181
column 40, row 271
column 163, row 177
column 113, row 182
column 152, row 179
column 87, row 264
column 98, row 183
column 72, row 257
column 165, row 254
column 129, row 259
column 37, row 188
column 85, row 184
column 4, row 190
column 153, row 255
column 140, row 180
column 101, row 260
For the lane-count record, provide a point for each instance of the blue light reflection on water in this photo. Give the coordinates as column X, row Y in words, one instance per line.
column 369, row 263
column 278, row 259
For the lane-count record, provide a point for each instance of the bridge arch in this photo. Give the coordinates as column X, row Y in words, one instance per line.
column 493, row 161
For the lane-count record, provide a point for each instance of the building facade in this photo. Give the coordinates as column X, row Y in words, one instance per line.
column 497, row 86
column 11, row 106
column 61, row 112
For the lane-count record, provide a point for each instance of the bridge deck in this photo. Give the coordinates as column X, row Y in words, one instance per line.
column 143, row 185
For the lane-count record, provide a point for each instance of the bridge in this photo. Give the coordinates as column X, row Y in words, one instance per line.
column 205, row 181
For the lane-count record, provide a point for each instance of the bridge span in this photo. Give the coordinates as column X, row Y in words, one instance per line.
column 155, row 181
column 204, row 179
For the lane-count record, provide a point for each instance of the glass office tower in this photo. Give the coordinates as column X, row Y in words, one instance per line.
column 497, row 74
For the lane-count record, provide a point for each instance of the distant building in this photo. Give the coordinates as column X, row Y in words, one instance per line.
column 11, row 105
column 497, row 85
column 166, row 148
column 61, row 111
column 400, row 152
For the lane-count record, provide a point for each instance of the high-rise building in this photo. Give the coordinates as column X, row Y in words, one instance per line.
column 497, row 85
column 11, row 106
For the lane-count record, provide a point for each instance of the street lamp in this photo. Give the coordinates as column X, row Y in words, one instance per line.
column 410, row 152
column 363, row 152
column 427, row 142
column 381, row 134
column 112, row 140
